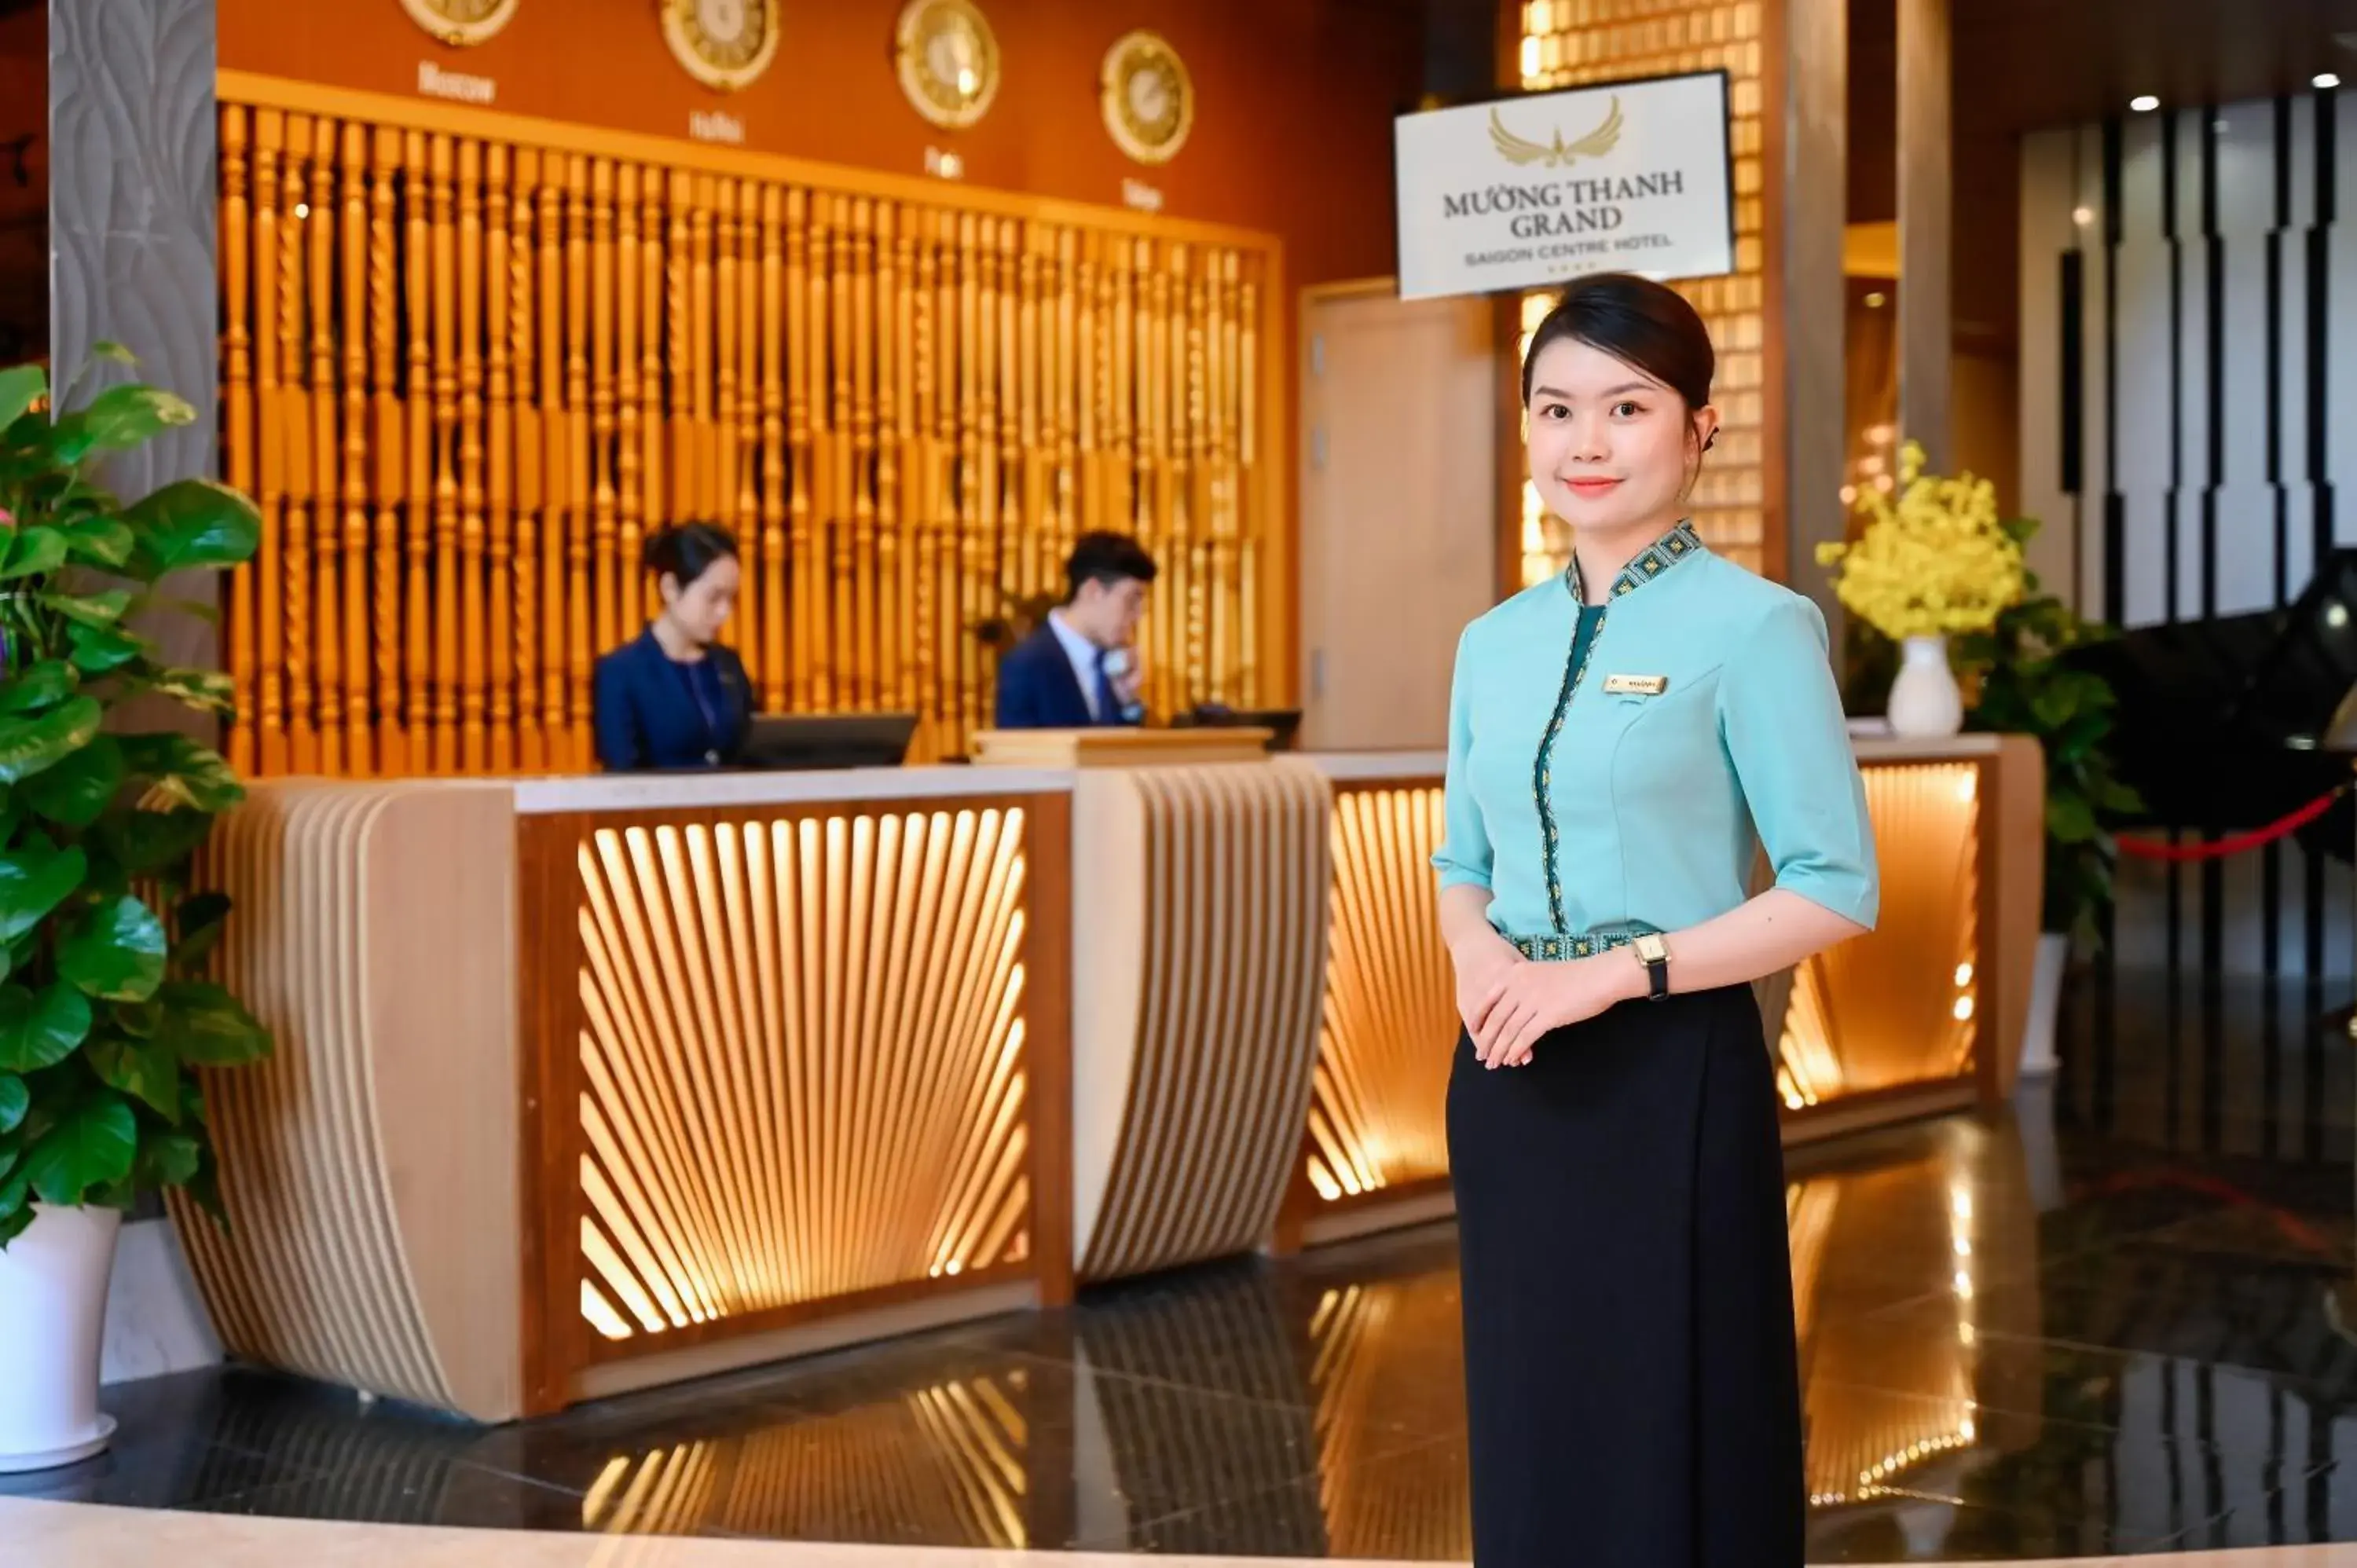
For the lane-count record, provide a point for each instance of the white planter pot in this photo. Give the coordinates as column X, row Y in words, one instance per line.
column 1925, row 702
column 52, row 1314
column 2038, row 1058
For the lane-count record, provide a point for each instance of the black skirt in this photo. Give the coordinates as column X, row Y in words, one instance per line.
column 1632, row 1384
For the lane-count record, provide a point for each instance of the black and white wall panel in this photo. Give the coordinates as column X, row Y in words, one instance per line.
column 2189, row 435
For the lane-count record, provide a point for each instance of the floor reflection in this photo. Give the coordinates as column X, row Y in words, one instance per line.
column 2014, row 1343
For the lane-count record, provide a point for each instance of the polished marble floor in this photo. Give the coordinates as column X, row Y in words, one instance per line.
column 65, row 1535
column 2042, row 1336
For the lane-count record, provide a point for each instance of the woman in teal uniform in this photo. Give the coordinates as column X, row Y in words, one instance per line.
column 1623, row 739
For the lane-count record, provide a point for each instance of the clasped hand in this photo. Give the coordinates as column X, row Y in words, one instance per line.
column 1508, row 1002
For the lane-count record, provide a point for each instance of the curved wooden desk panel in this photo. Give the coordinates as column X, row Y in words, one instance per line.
column 369, row 1166
column 1200, row 922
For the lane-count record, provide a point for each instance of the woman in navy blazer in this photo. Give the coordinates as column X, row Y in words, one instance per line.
column 673, row 697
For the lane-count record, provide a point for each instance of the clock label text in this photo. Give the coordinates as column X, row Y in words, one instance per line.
column 716, row 125
column 435, row 82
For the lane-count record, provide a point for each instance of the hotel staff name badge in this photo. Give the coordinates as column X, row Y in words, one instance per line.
column 723, row 44
column 459, row 23
column 947, row 59
column 1635, row 685
column 1148, row 97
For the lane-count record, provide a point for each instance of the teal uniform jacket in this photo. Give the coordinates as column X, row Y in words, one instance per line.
column 1615, row 768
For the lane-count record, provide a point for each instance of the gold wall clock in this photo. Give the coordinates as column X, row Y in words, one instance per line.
column 1149, row 103
column 461, row 22
column 947, row 59
column 726, row 44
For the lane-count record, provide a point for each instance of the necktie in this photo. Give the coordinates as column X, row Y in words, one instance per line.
column 1107, row 709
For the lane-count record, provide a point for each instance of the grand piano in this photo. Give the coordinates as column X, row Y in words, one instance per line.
column 2229, row 724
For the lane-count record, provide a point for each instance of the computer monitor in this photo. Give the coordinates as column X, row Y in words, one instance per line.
column 782, row 742
column 1281, row 723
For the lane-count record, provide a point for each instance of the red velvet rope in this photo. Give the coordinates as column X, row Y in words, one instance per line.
column 2282, row 827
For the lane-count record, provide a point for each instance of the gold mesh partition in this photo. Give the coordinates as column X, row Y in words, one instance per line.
column 1569, row 43
column 469, row 361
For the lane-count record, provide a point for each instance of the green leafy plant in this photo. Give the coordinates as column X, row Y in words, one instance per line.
column 105, row 1013
column 2025, row 686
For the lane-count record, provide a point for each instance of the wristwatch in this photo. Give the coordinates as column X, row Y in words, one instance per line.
column 1654, row 954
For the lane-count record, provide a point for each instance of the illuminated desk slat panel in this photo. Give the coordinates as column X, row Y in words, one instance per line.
column 1923, row 1015
column 1377, row 1153
column 737, row 1066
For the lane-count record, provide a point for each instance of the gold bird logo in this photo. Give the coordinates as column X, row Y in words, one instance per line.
column 1558, row 154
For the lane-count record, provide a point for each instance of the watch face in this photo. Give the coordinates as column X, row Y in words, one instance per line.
column 722, row 21
column 723, row 43
column 461, row 21
column 1149, row 103
column 947, row 59
column 1149, row 97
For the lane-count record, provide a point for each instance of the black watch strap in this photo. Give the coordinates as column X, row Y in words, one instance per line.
column 1654, row 954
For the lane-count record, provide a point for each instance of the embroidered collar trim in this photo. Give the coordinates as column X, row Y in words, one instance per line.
column 1649, row 563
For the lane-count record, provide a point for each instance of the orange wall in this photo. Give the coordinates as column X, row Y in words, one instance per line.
column 1293, row 97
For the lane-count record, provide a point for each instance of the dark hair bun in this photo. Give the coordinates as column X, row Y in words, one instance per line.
column 686, row 551
column 1646, row 325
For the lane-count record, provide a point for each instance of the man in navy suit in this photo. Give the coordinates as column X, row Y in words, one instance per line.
column 1079, row 668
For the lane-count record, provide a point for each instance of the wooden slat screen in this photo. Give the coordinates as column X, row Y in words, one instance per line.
column 466, row 371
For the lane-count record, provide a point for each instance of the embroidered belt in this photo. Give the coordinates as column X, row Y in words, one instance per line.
column 1554, row 950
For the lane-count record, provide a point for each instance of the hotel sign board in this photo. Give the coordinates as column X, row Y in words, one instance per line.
column 1524, row 192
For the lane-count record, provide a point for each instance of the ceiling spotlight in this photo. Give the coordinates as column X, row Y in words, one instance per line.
column 2326, row 82
column 2144, row 103
column 2083, row 215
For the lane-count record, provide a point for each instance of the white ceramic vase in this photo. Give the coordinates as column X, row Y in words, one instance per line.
column 1925, row 703
column 52, row 1318
column 2038, row 1057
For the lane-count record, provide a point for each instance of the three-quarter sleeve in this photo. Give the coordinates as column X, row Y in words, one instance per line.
column 1464, row 856
column 1780, row 716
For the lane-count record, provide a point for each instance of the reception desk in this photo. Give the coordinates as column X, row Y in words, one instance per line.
column 587, row 1085
column 737, row 1066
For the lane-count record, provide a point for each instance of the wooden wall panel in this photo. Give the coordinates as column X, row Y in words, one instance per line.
column 471, row 362
column 1292, row 137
